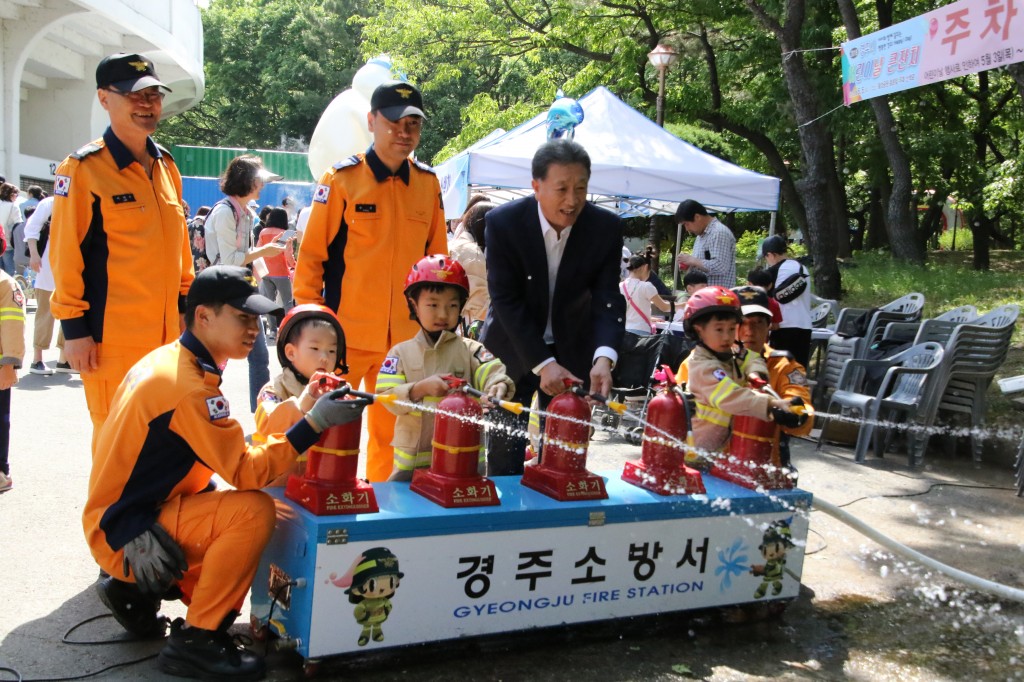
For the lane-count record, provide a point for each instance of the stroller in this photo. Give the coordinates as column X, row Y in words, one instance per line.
column 632, row 380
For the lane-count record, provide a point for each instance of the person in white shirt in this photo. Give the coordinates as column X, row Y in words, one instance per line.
column 40, row 263
column 791, row 288
column 640, row 295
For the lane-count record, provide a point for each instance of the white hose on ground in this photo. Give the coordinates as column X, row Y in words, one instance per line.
column 998, row 589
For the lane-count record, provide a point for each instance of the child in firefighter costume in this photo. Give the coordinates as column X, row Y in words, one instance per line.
column 786, row 376
column 436, row 289
column 310, row 347
column 716, row 374
column 777, row 540
column 12, row 349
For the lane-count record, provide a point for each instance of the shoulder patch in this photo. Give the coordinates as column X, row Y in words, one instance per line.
column 390, row 365
column 719, row 374
column 86, row 150
column 484, row 355
column 797, row 378
column 218, row 407
column 423, row 167
column 61, row 185
column 321, row 194
column 350, row 161
column 18, row 295
column 781, row 354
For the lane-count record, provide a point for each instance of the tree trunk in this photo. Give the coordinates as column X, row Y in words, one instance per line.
column 899, row 218
column 815, row 143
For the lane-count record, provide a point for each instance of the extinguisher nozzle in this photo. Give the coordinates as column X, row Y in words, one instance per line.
column 617, row 407
column 514, row 408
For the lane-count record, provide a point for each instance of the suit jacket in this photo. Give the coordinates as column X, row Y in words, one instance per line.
column 587, row 308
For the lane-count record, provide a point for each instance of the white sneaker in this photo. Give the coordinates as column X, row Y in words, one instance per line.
column 6, row 482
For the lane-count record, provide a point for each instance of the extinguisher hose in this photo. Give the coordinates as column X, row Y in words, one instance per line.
column 981, row 584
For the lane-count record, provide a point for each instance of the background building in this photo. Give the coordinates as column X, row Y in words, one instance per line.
column 49, row 50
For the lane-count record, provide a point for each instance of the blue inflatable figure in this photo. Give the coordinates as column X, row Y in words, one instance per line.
column 563, row 117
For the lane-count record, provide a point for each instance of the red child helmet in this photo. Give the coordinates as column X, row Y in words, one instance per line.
column 305, row 312
column 436, row 269
column 708, row 301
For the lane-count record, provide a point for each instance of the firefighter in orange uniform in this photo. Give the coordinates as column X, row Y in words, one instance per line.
column 374, row 216
column 154, row 519
column 120, row 251
column 786, row 376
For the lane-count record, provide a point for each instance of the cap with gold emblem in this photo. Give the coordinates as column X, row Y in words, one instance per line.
column 232, row 285
column 127, row 73
column 395, row 99
column 753, row 301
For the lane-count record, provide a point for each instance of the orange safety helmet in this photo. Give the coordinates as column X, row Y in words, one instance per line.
column 305, row 312
column 708, row 301
column 436, row 269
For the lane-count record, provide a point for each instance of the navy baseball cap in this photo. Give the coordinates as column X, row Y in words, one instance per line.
column 233, row 285
column 773, row 244
column 396, row 99
column 753, row 301
column 127, row 73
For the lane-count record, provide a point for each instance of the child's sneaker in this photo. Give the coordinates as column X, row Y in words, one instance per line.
column 40, row 368
column 6, row 482
column 65, row 368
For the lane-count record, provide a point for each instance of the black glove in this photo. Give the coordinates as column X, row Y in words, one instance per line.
column 790, row 420
column 156, row 560
column 331, row 409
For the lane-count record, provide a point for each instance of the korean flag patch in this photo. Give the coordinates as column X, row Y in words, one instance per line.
column 719, row 374
column 389, row 366
column 61, row 185
column 218, row 408
column 321, row 193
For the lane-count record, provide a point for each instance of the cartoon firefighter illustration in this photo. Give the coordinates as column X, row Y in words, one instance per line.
column 370, row 583
column 777, row 540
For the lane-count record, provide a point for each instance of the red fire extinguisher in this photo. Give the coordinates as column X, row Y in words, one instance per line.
column 662, row 466
column 330, row 484
column 453, row 479
column 562, row 470
column 753, row 460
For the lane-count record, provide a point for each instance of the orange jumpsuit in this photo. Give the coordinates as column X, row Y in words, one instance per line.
column 168, row 432
column 367, row 228
column 788, row 378
column 121, row 258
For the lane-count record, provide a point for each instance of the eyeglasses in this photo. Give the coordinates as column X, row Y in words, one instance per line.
column 147, row 96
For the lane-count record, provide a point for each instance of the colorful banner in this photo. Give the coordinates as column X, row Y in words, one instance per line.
column 961, row 38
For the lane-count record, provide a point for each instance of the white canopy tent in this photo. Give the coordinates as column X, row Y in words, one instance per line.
column 637, row 167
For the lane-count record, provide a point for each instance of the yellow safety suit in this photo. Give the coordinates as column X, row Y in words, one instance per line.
column 417, row 359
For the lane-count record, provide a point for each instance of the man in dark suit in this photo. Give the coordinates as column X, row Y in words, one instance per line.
column 553, row 274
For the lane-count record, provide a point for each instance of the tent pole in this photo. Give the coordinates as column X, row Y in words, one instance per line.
column 771, row 225
column 675, row 260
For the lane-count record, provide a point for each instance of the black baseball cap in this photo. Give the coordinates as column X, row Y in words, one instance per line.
column 753, row 301
column 127, row 73
column 774, row 244
column 396, row 99
column 233, row 285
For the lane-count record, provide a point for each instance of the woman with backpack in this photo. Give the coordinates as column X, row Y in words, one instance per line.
column 10, row 215
column 640, row 295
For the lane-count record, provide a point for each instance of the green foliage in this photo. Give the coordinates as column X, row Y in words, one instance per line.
column 964, row 239
column 748, row 246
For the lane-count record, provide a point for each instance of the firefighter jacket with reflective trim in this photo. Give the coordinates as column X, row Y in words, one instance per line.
column 277, row 408
column 789, row 379
column 12, row 321
column 168, row 432
column 419, row 358
column 367, row 228
column 720, row 389
column 120, row 252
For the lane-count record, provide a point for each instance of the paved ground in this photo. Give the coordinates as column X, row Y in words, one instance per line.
column 863, row 614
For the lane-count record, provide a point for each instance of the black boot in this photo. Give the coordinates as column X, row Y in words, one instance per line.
column 136, row 611
column 208, row 655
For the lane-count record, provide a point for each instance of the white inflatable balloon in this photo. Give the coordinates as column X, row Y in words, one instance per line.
column 341, row 131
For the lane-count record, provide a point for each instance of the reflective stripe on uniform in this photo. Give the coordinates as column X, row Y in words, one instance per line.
column 386, row 381
column 722, row 391
column 483, row 373
column 407, row 462
column 713, row 415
